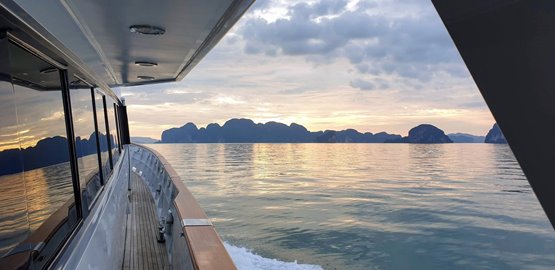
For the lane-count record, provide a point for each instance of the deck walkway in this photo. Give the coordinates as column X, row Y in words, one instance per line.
column 142, row 251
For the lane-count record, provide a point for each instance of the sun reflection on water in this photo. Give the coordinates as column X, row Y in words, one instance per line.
column 370, row 206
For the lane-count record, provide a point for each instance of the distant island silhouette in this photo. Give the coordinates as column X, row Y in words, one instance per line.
column 247, row 131
column 330, row 136
column 466, row 138
column 53, row 150
column 495, row 135
column 48, row 151
column 143, row 140
column 424, row 133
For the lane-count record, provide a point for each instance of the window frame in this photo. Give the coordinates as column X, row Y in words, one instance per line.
column 104, row 117
column 97, row 138
column 27, row 37
column 90, row 204
column 108, row 137
column 50, row 227
column 116, row 109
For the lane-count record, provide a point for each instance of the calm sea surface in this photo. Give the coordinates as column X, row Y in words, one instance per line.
column 368, row 206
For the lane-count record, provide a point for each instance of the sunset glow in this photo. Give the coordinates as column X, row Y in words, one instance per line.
column 324, row 65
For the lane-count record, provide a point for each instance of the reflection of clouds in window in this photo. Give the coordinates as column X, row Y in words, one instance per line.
column 39, row 113
column 2, row 143
column 16, row 133
column 8, row 121
column 27, row 137
column 9, row 138
column 35, row 171
column 85, row 137
column 55, row 116
column 112, row 122
column 100, row 117
column 6, row 110
column 81, row 108
column 11, row 144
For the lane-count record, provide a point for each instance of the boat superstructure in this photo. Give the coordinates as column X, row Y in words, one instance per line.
column 507, row 47
column 75, row 194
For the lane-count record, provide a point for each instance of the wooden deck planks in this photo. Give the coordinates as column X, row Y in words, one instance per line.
column 142, row 251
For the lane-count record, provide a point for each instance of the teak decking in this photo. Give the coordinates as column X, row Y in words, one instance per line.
column 142, row 250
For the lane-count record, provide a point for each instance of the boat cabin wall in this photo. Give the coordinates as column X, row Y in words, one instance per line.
column 59, row 145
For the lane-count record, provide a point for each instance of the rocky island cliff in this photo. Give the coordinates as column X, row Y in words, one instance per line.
column 466, row 138
column 495, row 135
column 424, row 133
column 246, row 131
column 241, row 130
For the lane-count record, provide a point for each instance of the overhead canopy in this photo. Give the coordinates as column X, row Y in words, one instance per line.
column 99, row 34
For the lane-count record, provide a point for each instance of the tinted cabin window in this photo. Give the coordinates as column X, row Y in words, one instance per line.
column 113, row 129
column 14, row 222
column 117, row 126
column 85, row 141
column 47, row 190
column 102, row 135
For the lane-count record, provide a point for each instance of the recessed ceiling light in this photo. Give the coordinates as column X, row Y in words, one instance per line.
column 145, row 78
column 147, row 29
column 48, row 70
column 146, row 64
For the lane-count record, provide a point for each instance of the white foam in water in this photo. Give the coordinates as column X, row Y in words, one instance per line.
column 245, row 259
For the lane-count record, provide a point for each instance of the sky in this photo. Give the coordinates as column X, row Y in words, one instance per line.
column 376, row 65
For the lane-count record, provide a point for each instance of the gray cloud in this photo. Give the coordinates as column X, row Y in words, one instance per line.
column 325, row 65
column 260, row 5
column 405, row 39
column 362, row 84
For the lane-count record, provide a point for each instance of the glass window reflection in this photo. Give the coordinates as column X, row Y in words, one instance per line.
column 85, row 140
column 14, row 223
column 45, row 173
column 113, row 130
column 116, row 108
column 102, row 135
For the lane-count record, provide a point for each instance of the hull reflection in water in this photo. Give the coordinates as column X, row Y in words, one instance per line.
column 46, row 190
column 370, row 206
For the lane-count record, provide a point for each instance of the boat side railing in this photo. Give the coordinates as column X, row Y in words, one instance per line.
column 191, row 240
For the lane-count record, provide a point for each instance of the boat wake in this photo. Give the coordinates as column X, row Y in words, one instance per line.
column 245, row 259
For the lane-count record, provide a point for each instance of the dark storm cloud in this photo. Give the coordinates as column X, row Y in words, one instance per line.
column 374, row 39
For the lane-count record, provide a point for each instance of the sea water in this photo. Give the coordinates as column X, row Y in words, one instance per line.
column 368, row 206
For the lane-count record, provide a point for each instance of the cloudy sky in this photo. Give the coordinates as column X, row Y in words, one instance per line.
column 376, row 65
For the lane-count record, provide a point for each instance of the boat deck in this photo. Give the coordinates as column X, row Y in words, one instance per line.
column 142, row 250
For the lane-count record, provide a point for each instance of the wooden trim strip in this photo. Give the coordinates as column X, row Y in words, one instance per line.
column 207, row 250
